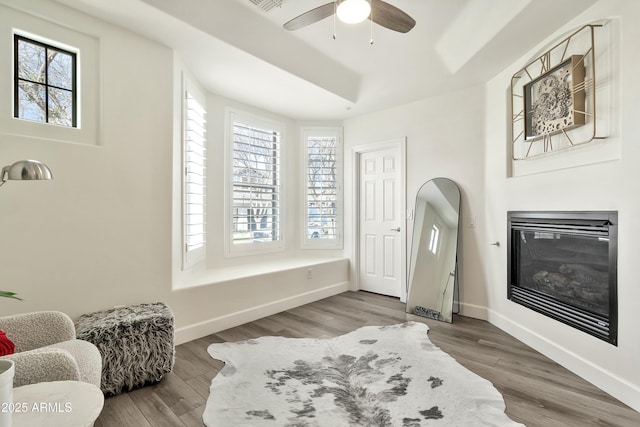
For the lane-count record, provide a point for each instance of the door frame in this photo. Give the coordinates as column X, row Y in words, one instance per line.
column 357, row 151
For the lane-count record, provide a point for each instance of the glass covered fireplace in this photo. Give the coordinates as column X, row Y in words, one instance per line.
column 564, row 265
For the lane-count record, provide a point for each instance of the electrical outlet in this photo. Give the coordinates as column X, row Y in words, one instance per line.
column 472, row 221
column 309, row 273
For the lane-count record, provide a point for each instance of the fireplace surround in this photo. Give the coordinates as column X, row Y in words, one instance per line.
column 564, row 265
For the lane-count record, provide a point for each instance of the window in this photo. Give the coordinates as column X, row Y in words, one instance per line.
column 71, row 79
column 434, row 240
column 322, row 197
column 255, row 184
column 44, row 83
column 194, row 179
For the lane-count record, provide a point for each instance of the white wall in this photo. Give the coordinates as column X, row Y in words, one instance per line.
column 100, row 233
column 444, row 139
column 562, row 185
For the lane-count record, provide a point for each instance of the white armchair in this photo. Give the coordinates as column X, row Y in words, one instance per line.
column 47, row 349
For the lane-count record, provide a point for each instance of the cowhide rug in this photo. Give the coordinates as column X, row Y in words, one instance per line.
column 374, row 376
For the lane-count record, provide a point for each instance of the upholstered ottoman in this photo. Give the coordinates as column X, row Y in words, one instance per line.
column 136, row 344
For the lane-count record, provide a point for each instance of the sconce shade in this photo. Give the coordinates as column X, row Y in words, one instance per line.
column 26, row 170
column 353, row 11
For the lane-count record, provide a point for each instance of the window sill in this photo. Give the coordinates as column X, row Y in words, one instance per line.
column 226, row 274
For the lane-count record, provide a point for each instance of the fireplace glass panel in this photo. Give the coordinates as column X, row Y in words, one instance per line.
column 570, row 268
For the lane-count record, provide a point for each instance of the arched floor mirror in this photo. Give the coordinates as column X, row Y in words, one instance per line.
column 433, row 260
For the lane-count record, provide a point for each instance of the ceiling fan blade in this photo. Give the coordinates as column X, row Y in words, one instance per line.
column 307, row 18
column 391, row 17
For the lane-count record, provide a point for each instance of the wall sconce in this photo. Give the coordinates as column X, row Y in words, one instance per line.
column 25, row 170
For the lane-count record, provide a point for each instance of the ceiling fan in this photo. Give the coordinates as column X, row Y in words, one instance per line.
column 355, row 11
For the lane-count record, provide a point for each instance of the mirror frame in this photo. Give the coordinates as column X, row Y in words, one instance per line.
column 433, row 312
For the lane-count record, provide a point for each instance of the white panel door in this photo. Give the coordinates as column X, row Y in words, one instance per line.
column 381, row 221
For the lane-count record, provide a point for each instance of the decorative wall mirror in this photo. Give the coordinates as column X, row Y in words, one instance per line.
column 432, row 263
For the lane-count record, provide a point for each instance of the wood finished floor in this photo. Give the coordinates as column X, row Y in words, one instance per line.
column 537, row 391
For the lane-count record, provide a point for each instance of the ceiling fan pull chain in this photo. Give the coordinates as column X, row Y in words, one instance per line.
column 371, row 22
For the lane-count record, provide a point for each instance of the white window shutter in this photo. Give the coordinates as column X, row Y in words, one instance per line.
column 256, row 210
column 194, row 180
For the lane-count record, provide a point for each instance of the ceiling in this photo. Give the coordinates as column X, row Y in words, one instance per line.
column 239, row 51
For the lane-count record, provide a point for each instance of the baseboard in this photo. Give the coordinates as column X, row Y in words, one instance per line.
column 217, row 324
column 475, row 311
column 616, row 386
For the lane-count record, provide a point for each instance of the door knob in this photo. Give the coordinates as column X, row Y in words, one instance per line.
column 396, row 229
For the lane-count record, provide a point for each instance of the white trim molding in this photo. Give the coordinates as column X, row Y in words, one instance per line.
column 599, row 376
column 201, row 329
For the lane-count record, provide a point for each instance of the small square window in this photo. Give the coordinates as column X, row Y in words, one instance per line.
column 45, row 83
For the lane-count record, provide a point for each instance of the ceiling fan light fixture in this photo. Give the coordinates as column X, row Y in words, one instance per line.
column 353, row 11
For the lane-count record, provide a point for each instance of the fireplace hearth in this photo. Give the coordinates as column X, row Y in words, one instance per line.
column 564, row 265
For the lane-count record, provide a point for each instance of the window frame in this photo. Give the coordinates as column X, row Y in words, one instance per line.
column 232, row 249
column 196, row 255
column 306, row 241
column 17, row 37
column 85, row 41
